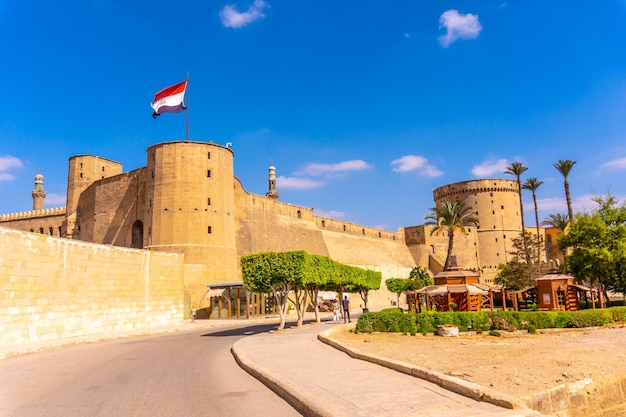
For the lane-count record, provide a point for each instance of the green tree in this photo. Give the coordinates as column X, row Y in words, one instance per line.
column 277, row 273
column 532, row 184
column 564, row 167
column 597, row 244
column 450, row 217
column 397, row 286
column 517, row 274
column 370, row 281
column 419, row 278
column 514, row 275
column 517, row 169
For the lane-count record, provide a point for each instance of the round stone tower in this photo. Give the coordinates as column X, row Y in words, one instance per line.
column 39, row 195
column 190, row 209
column 496, row 204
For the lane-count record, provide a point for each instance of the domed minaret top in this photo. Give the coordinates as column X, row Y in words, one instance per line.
column 272, row 193
column 38, row 193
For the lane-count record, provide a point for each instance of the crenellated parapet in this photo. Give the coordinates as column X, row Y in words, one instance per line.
column 23, row 215
column 459, row 190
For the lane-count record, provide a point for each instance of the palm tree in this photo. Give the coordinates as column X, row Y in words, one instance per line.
column 560, row 221
column 564, row 167
column 450, row 217
column 517, row 169
column 532, row 184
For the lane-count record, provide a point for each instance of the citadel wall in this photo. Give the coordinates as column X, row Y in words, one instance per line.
column 191, row 210
column 84, row 170
column 107, row 210
column 431, row 249
column 496, row 204
column 187, row 200
column 56, row 288
column 46, row 221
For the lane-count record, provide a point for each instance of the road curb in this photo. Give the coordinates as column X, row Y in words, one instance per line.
column 301, row 401
column 457, row 385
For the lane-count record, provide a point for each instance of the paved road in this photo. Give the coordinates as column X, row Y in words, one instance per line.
column 182, row 374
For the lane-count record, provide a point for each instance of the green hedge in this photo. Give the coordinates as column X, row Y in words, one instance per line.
column 395, row 320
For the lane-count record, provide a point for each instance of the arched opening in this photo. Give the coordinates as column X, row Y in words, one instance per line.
column 137, row 238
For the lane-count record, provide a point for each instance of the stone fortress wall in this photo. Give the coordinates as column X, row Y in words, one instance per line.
column 53, row 288
column 495, row 203
column 186, row 200
column 44, row 221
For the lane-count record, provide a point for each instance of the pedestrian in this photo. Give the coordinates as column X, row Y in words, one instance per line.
column 345, row 303
column 335, row 311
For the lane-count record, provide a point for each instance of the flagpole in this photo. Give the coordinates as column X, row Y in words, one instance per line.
column 187, row 124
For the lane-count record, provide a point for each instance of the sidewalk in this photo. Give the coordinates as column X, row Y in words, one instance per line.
column 320, row 380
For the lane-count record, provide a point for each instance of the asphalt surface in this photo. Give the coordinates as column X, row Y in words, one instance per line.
column 317, row 379
column 183, row 374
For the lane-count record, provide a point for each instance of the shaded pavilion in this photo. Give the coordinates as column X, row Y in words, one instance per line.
column 458, row 286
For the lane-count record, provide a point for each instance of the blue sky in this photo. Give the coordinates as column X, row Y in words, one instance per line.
column 363, row 107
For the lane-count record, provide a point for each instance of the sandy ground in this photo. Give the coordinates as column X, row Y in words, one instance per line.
column 515, row 363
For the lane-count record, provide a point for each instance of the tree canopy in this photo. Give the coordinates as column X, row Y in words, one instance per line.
column 597, row 245
column 300, row 275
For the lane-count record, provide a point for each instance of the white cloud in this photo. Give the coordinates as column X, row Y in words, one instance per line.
column 8, row 162
column 458, row 26
column 490, row 167
column 417, row 163
column 232, row 18
column 316, row 169
column 583, row 203
column 615, row 164
column 333, row 214
column 297, row 183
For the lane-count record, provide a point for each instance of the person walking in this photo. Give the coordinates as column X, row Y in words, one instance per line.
column 335, row 311
column 345, row 303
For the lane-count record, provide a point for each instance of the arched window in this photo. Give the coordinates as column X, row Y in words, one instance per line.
column 137, row 235
column 41, row 230
column 51, row 230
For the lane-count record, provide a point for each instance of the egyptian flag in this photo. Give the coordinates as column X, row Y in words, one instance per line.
column 169, row 100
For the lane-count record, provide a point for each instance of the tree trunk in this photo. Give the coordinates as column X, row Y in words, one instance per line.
column 568, row 199
column 364, row 297
column 281, row 302
column 446, row 264
column 521, row 208
column 537, row 222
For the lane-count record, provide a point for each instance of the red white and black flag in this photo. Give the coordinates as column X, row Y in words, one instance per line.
column 169, row 100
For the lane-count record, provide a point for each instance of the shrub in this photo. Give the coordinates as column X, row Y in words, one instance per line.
column 495, row 333
column 619, row 314
column 591, row 318
column 395, row 320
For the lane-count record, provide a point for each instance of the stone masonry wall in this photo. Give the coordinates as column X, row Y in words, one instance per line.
column 53, row 288
column 46, row 221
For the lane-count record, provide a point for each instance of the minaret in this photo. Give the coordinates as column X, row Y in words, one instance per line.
column 272, row 193
column 38, row 193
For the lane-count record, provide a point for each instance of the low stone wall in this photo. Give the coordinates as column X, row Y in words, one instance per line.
column 52, row 288
column 604, row 397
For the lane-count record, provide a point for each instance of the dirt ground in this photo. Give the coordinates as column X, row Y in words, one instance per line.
column 515, row 363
